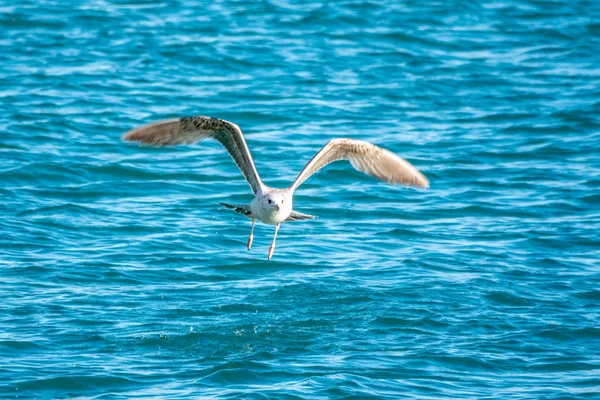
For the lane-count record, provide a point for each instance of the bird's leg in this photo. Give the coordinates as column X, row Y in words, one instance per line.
column 251, row 234
column 272, row 248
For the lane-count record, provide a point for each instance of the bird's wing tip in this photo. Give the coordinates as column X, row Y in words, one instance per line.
column 132, row 135
column 126, row 137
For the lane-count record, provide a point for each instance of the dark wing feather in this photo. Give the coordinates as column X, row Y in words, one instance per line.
column 194, row 129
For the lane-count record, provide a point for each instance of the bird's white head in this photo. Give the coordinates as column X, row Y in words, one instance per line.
column 278, row 205
column 275, row 200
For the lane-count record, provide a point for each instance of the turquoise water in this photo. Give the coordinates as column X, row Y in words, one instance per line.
column 121, row 276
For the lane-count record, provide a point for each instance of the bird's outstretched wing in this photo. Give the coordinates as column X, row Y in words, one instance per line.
column 193, row 129
column 367, row 158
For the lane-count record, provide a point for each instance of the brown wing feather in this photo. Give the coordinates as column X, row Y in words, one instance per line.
column 193, row 129
column 367, row 158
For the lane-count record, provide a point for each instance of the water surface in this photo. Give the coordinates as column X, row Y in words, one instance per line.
column 121, row 276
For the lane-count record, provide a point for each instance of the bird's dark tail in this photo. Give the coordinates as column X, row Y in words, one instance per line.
column 243, row 209
column 297, row 216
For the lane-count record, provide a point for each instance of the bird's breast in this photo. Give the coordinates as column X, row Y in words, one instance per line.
column 273, row 217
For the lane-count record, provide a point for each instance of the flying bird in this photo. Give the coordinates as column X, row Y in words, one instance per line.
column 270, row 205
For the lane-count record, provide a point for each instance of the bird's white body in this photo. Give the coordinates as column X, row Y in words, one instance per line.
column 274, row 206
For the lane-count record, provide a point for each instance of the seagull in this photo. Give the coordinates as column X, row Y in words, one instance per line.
column 270, row 205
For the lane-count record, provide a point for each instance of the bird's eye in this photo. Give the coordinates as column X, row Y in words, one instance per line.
column 270, row 201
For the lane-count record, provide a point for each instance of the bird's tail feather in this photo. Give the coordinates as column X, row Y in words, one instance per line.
column 243, row 209
column 297, row 216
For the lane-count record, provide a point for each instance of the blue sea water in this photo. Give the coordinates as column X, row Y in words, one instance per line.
column 121, row 276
